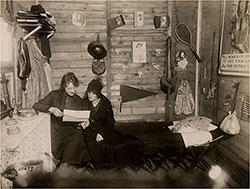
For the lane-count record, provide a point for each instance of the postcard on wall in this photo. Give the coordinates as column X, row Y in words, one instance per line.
column 75, row 115
column 139, row 52
column 234, row 48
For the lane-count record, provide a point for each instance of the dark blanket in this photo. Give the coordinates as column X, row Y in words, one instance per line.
column 155, row 135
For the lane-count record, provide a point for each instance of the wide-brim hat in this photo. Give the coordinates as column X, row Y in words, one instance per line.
column 96, row 49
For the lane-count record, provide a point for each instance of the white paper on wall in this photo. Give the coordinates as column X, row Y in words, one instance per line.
column 139, row 52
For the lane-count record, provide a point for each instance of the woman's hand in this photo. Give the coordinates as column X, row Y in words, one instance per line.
column 56, row 111
column 99, row 138
column 84, row 124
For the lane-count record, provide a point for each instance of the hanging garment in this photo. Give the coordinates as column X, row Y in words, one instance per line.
column 45, row 45
column 47, row 69
column 184, row 102
column 23, row 63
column 37, row 86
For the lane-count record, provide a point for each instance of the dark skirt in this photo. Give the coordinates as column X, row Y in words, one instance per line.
column 116, row 151
column 69, row 146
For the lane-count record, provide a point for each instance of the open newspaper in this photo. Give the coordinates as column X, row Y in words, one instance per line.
column 75, row 115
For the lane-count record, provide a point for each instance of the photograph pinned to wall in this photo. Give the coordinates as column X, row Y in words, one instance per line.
column 79, row 18
column 139, row 52
column 138, row 18
column 234, row 42
column 116, row 22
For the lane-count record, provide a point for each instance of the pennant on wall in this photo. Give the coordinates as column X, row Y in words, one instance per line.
column 130, row 93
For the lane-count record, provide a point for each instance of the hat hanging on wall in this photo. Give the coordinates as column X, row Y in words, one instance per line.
column 40, row 10
column 96, row 49
column 98, row 52
column 116, row 22
column 161, row 21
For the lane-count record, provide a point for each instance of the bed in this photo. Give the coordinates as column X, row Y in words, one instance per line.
column 160, row 139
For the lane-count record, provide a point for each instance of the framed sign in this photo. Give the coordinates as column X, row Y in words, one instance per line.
column 234, row 48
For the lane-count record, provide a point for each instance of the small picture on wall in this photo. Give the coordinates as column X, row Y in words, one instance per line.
column 138, row 18
column 139, row 52
column 234, row 48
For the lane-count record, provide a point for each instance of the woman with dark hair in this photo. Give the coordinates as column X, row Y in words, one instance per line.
column 68, row 145
column 108, row 148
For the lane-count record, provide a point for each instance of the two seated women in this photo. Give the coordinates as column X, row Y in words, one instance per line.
column 96, row 141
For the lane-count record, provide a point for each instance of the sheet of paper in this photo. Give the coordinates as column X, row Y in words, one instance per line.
column 75, row 115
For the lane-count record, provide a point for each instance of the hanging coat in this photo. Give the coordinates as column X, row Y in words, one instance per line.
column 23, row 63
column 184, row 102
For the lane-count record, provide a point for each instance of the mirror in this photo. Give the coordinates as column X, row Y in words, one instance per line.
column 6, row 92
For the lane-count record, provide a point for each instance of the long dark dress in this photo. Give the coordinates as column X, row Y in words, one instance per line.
column 116, row 150
column 68, row 144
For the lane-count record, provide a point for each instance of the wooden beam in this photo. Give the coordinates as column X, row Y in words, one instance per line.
column 108, row 54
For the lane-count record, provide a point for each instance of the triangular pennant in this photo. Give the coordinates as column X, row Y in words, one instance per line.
column 130, row 93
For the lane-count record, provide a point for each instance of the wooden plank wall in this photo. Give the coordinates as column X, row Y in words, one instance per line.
column 69, row 48
column 151, row 108
column 69, row 44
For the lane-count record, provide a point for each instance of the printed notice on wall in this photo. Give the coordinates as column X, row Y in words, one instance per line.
column 236, row 63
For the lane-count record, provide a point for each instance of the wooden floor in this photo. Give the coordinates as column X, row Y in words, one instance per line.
column 164, row 177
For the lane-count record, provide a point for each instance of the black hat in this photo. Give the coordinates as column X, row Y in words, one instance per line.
column 95, row 86
column 96, row 49
column 39, row 9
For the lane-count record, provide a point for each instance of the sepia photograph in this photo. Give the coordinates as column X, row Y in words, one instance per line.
column 124, row 94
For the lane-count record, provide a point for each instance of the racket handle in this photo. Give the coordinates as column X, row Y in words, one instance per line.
column 194, row 53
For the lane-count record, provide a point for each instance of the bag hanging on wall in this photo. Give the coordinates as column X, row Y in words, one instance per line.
column 184, row 102
column 98, row 66
column 230, row 124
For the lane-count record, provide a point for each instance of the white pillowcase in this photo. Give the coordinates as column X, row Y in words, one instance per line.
column 191, row 124
column 186, row 127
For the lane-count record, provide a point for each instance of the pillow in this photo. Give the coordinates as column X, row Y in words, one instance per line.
column 191, row 124
column 22, row 174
